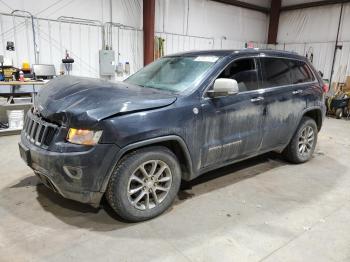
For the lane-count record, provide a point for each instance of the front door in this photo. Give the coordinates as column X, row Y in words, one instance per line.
column 232, row 125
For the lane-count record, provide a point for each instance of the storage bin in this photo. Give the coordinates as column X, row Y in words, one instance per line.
column 15, row 118
column 22, row 100
column 3, row 100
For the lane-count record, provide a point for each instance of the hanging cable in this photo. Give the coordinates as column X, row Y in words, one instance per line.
column 41, row 11
column 5, row 4
column 336, row 42
column 36, row 51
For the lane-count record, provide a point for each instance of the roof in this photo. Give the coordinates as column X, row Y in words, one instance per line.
column 239, row 51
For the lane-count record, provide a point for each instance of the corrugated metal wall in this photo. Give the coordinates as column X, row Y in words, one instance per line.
column 314, row 30
column 175, row 43
column 82, row 41
column 185, row 25
column 129, row 44
column 201, row 24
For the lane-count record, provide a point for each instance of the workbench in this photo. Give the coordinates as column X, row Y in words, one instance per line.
column 16, row 89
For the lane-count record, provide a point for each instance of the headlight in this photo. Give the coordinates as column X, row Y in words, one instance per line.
column 83, row 136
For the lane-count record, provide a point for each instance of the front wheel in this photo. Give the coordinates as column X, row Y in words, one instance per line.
column 144, row 184
column 303, row 143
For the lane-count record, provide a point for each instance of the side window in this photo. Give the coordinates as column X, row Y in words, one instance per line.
column 300, row 72
column 275, row 72
column 244, row 72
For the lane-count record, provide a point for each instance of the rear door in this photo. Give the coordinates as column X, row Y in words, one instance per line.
column 284, row 93
column 304, row 82
column 232, row 125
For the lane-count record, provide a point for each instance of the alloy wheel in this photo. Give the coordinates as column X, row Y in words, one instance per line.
column 149, row 184
column 306, row 141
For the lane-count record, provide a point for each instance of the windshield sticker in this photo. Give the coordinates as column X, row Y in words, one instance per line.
column 211, row 59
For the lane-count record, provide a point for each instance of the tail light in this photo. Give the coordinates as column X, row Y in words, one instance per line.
column 325, row 88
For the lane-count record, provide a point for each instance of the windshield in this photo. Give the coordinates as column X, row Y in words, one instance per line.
column 173, row 73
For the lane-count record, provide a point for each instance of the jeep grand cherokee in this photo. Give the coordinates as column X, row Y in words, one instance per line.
column 177, row 118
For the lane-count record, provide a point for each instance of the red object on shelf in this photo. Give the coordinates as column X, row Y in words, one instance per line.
column 250, row 45
column 325, row 88
column 21, row 76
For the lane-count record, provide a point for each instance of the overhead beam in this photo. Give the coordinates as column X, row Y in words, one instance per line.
column 313, row 4
column 283, row 8
column 244, row 5
column 148, row 31
column 274, row 20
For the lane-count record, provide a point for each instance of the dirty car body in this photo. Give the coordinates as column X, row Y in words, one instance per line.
column 204, row 132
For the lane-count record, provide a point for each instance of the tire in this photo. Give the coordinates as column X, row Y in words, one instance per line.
column 339, row 113
column 300, row 149
column 140, row 169
column 346, row 112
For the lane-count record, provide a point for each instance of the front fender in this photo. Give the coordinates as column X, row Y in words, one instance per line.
column 149, row 142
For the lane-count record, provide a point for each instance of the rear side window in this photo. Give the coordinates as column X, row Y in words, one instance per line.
column 275, row 72
column 244, row 72
column 300, row 72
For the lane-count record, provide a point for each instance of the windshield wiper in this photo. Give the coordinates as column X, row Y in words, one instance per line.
column 158, row 88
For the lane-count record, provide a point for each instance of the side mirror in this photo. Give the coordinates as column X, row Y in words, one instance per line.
column 223, row 87
column 321, row 73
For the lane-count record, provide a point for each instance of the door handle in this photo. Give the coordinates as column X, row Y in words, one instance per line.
column 296, row 92
column 257, row 99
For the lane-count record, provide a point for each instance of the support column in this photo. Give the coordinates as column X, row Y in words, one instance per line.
column 148, row 31
column 274, row 19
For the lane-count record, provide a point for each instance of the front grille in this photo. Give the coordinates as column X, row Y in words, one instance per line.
column 38, row 131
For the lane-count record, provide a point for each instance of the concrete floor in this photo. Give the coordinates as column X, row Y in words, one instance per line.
column 261, row 209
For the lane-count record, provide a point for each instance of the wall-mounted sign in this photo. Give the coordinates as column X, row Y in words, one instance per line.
column 10, row 46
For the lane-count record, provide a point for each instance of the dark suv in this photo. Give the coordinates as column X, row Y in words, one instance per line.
column 175, row 119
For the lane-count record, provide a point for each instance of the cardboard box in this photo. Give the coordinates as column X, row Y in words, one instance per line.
column 334, row 86
column 347, row 83
column 346, row 86
column 337, row 86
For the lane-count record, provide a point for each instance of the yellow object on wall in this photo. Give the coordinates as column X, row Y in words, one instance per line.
column 25, row 65
column 158, row 47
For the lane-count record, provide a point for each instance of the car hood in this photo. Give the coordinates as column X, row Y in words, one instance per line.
column 78, row 101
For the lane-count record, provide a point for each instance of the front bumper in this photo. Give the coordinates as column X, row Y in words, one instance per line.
column 77, row 175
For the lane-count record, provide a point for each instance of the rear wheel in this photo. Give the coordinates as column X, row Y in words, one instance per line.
column 339, row 113
column 346, row 112
column 144, row 184
column 303, row 143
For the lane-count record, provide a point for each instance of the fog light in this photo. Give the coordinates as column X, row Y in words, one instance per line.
column 73, row 172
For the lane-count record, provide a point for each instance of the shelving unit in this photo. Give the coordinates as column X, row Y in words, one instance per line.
column 12, row 90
